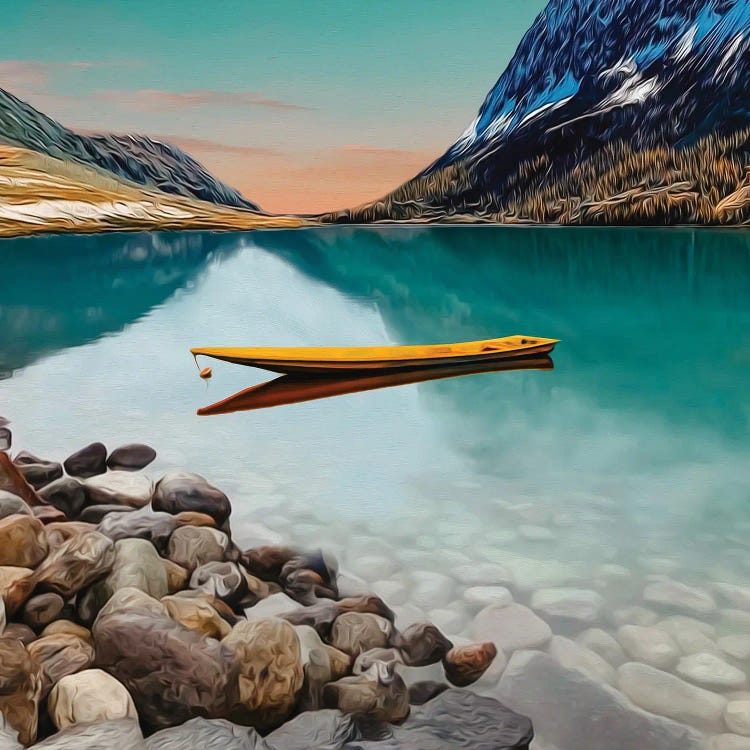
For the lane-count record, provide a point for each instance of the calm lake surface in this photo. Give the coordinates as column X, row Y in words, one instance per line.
column 630, row 461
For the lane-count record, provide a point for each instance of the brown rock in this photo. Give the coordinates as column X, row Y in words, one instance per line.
column 60, row 655
column 20, row 689
column 266, row 562
column 16, row 585
column 23, row 542
column 464, row 665
column 310, row 576
column 379, row 694
column 192, row 546
column 224, row 580
column 20, row 632
column 193, row 518
column 66, row 627
column 268, row 652
column 177, row 576
column 131, row 457
column 196, row 613
column 369, row 603
column 11, row 480
column 341, row 663
column 40, row 473
column 89, row 697
column 76, row 563
column 422, row 644
column 87, row 462
column 66, row 494
column 181, row 491
column 355, row 632
column 196, row 676
column 42, row 609
column 320, row 616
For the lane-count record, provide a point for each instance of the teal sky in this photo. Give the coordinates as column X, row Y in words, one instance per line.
column 295, row 85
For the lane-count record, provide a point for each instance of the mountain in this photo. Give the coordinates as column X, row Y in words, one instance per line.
column 610, row 111
column 135, row 158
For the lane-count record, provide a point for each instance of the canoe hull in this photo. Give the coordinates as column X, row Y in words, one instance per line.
column 328, row 361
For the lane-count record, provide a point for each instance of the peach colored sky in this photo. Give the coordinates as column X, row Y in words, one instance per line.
column 301, row 111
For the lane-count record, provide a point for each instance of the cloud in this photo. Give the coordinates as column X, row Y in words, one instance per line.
column 149, row 100
column 33, row 76
column 202, row 145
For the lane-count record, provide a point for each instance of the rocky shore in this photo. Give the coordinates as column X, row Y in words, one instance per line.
column 130, row 618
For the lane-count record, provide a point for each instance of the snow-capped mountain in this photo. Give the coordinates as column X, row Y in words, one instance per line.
column 610, row 111
column 647, row 70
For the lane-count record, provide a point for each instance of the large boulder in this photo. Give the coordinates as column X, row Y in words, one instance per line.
column 196, row 676
column 23, row 542
column 270, row 664
column 191, row 546
column 20, row 689
column 89, row 697
column 119, row 488
column 459, row 719
column 123, row 734
column 131, row 457
column 67, row 494
column 87, row 462
column 60, row 655
column 570, row 711
column 77, row 562
column 181, row 491
column 200, row 733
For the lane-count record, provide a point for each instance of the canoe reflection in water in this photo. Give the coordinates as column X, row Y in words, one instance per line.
column 294, row 389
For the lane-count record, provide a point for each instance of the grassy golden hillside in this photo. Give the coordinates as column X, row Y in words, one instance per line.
column 707, row 183
column 41, row 194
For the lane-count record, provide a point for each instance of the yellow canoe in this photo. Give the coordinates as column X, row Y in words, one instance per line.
column 334, row 360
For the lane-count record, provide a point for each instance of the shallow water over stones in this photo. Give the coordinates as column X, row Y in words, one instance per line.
column 609, row 494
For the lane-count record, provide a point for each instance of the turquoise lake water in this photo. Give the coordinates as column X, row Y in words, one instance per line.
column 633, row 452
